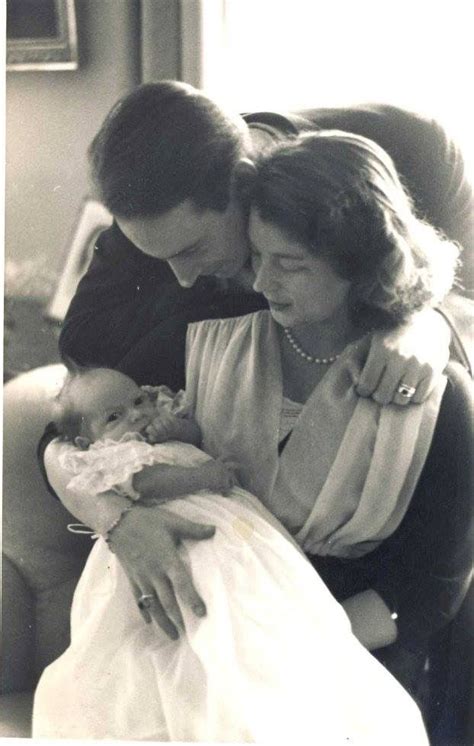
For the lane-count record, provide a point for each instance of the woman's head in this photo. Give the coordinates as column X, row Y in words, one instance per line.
column 337, row 198
column 100, row 402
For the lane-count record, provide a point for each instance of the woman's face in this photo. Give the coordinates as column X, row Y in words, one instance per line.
column 300, row 288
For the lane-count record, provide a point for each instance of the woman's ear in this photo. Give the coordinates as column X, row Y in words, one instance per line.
column 243, row 177
column 81, row 442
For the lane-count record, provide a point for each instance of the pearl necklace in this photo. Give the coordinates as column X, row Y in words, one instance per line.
column 309, row 358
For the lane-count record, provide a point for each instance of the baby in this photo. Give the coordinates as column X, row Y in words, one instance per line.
column 116, row 425
column 241, row 673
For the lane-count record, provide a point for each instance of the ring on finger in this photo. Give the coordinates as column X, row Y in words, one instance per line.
column 145, row 601
column 406, row 391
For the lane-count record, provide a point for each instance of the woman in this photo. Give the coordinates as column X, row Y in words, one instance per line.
column 334, row 486
column 375, row 496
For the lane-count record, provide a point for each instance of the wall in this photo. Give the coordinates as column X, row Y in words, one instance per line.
column 51, row 118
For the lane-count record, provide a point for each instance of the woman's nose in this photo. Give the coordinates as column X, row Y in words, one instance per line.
column 265, row 278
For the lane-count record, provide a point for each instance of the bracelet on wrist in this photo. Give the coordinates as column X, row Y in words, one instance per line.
column 127, row 509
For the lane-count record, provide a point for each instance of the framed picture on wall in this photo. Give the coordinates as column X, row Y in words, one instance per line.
column 93, row 219
column 41, row 35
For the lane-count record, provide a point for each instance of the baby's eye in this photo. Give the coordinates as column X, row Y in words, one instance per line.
column 139, row 400
column 113, row 417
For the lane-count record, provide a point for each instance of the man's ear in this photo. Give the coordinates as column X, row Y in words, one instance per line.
column 81, row 442
column 243, row 177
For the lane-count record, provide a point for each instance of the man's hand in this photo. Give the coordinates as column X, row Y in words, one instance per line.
column 146, row 542
column 414, row 355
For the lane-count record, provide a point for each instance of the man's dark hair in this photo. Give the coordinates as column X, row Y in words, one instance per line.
column 161, row 144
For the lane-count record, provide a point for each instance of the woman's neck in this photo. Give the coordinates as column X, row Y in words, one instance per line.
column 320, row 340
column 323, row 339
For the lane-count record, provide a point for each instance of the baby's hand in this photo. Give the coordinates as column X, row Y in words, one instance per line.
column 161, row 429
column 220, row 475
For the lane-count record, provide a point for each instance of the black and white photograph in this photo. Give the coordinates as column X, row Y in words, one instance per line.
column 238, row 407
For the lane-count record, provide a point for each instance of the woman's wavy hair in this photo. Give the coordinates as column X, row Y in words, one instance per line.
column 164, row 143
column 340, row 195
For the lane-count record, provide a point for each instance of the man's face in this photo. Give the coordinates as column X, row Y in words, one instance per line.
column 194, row 242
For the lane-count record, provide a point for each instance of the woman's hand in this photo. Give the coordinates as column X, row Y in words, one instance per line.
column 412, row 356
column 146, row 542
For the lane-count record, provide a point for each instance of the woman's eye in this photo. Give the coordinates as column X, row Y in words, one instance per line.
column 113, row 417
column 290, row 265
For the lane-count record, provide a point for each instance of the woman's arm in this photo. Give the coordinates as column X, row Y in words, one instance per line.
column 145, row 540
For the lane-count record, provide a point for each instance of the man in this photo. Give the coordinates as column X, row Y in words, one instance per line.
column 166, row 163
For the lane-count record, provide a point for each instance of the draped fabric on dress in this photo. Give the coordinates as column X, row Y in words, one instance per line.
column 346, row 476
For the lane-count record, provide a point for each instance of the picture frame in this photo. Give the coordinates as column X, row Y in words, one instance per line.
column 93, row 219
column 41, row 35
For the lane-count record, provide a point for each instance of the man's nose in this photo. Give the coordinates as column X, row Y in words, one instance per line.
column 184, row 273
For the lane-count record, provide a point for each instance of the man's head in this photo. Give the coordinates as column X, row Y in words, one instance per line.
column 163, row 163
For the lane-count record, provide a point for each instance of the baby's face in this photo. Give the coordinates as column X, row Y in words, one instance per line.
column 112, row 405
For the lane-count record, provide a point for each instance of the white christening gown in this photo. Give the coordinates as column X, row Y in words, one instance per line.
column 273, row 661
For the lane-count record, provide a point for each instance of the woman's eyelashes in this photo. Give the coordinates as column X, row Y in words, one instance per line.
column 288, row 264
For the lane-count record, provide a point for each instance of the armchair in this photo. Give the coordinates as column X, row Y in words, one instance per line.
column 42, row 561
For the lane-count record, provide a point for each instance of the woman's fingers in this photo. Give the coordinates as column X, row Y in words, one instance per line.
column 149, row 603
column 184, row 589
column 168, row 604
column 142, row 608
column 182, row 528
column 146, row 542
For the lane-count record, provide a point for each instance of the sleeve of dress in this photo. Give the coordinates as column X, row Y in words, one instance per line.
column 424, row 576
column 108, row 465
